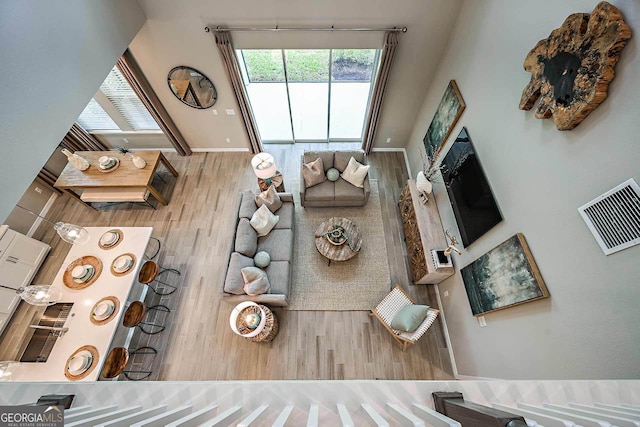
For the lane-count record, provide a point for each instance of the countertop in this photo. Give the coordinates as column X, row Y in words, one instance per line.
column 81, row 330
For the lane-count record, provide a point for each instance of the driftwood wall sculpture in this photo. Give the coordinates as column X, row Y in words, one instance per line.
column 572, row 68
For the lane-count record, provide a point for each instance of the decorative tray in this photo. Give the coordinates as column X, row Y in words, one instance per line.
column 68, row 280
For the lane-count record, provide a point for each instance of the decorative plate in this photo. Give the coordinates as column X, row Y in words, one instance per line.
column 114, row 300
column 120, row 237
column 128, row 270
column 94, row 362
column 67, row 278
column 112, row 168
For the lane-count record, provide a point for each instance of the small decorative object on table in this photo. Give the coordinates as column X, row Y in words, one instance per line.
column 428, row 175
column 76, row 161
column 336, row 235
column 138, row 161
column 109, row 165
column 442, row 258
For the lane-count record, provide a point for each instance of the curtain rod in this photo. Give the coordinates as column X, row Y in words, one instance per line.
column 277, row 28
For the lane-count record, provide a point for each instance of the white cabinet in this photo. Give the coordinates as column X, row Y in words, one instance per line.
column 15, row 274
column 3, row 321
column 20, row 258
column 8, row 300
column 26, row 250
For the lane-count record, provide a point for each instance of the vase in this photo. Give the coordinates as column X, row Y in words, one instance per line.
column 138, row 161
column 76, row 161
column 423, row 184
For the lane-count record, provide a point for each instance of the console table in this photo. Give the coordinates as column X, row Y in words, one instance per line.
column 126, row 177
column 423, row 232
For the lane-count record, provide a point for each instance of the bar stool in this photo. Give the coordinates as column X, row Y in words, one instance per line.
column 135, row 314
column 149, row 273
column 117, row 359
column 155, row 254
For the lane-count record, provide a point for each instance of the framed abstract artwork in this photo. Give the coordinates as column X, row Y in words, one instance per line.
column 505, row 276
column 449, row 111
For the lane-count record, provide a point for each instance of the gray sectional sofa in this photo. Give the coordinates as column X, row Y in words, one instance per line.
column 340, row 192
column 246, row 243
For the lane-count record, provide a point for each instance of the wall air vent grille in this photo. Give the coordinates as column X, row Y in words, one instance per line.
column 614, row 217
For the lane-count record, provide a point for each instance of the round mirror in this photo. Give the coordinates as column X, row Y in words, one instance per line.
column 192, row 87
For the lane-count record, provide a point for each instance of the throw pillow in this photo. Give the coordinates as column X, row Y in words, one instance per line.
column 313, row 173
column 355, row 173
column 409, row 317
column 246, row 238
column 234, row 283
column 333, row 174
column 255, row 281
column 247, row 204
column 270, row 198
column 262, row 259
column 263, row 220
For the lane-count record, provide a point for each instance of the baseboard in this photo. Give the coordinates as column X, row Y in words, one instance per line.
column 445, row 330
column 164, row 150
column 472, row 378
column 220, row 150
column 195, row 150
column 404, row 153
column 42, row 213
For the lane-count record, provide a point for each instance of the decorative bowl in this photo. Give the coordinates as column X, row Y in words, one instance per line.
column 336, row 235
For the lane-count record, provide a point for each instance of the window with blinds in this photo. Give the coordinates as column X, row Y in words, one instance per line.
column 123, row 101
column 95, row 118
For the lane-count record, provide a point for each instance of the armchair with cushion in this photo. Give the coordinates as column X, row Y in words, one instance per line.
column 338, row 193
column 391, row 305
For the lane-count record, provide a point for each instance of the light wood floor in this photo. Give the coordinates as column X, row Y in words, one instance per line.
column 195, row 230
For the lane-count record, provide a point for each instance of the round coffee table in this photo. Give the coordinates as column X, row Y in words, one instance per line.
column 344, row 251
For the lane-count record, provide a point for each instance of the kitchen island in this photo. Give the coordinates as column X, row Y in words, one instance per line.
column 82, row 331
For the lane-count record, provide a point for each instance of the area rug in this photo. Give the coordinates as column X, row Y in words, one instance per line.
column 357, row 284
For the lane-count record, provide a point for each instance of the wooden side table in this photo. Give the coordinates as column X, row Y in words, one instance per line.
column 277, row 180
column 265, row 332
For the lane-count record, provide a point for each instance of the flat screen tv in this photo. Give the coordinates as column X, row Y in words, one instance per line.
column 471, row 198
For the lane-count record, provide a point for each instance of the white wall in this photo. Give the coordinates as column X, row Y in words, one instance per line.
column 149, row 140
column 174, row 35
column 55, row 54
column 589, row 328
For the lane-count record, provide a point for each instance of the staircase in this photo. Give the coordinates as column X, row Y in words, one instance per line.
column 333, row 403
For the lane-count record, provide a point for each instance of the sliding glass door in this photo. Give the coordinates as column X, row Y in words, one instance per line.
column 309, row 95
column 263, row 73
